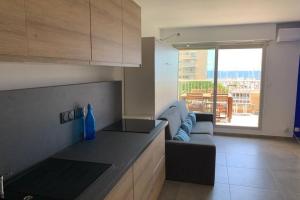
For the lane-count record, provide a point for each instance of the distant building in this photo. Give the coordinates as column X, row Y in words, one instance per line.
column 193, row 65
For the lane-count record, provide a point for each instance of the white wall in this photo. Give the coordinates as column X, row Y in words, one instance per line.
column 150, row 90
column 149, row 30
column 27, row 75
column 281, row 71
column 166, row 76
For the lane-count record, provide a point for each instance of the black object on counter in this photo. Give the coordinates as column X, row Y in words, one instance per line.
column 55, row 179
column 133, row 125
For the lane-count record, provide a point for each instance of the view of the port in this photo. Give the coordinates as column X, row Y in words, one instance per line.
column 237, row 100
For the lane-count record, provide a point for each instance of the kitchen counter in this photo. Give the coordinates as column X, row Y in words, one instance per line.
column 120, row 149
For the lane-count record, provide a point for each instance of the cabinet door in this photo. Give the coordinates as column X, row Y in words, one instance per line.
column 124, row 188
column 142, row 175
column 59, row 28
column 159, row 148
column 106, row 31
column 13, row 39
column 159, row 177
column 132, row 42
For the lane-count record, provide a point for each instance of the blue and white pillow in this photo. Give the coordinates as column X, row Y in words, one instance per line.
column 192, row 116
column 181, row 136
column 187, row 126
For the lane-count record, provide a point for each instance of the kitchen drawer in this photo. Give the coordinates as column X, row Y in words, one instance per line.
column 142, row 173
column 158, row 148
column 159, row 177
column 124, row 188
column 148, row 168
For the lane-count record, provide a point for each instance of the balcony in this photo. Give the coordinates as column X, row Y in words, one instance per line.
column 234, row 107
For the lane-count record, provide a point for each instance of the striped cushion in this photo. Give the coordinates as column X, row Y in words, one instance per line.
column 192, row 116
column 187, row 126
column 181, row 136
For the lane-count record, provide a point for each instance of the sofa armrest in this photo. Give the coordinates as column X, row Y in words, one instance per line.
column 204, row 117
column 190, row 162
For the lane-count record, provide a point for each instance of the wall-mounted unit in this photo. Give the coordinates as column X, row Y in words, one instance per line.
column 288, row 32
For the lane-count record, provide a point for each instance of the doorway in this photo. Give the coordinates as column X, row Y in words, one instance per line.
column 225, row 81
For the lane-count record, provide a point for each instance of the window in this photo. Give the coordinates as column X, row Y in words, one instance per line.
column 233, row 93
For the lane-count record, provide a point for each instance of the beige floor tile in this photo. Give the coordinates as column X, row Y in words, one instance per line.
column 288, row 180
column 170, row 190
column 221, row 175
column 221, row 159
column 203, row 192
column 188, row 191
column 247, row 193
column 257, row 178
column 243, row 148
column 292, row 196
column 246, row 161
column 277, row 162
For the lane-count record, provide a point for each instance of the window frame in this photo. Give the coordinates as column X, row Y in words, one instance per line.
column 233, row 45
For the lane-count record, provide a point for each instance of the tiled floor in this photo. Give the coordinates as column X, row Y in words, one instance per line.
column 247, row 169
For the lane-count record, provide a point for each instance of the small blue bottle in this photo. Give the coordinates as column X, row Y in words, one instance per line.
column 90, row 129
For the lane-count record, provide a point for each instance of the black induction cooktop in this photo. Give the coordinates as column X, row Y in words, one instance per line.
column 133, row 125
column 55, row 179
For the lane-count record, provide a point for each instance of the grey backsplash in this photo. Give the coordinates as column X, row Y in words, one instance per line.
column 30, row 129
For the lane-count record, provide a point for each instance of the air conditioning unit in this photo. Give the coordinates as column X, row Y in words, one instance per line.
column 288, row 32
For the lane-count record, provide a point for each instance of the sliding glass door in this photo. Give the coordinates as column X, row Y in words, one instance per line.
column 223, row 81
column 239, row 71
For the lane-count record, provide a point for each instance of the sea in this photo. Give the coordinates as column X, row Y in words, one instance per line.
column 256, row 75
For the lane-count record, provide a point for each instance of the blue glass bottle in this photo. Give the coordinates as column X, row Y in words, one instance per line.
column 90, row 129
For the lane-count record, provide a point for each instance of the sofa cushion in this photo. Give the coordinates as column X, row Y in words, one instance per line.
column 202, row 139
column 181, row 105
column 187, row 126
column 192, row 116
column 203, row 128
column 172, row 115
column 182, row 136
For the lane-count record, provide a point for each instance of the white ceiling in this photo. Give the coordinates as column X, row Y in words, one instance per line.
column 186, row 13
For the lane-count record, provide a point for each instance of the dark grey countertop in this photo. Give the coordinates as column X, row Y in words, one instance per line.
column 120, row 149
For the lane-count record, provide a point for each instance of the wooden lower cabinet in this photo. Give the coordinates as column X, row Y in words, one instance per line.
column 158, row 179
column 145, row 179
column 124, row 188
column 142, row 174
column 149, row 170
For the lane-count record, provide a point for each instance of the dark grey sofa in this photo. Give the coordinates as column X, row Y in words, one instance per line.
column 204, row 123
column 192, row 161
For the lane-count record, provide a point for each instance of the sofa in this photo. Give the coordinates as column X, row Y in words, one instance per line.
column 193, row 160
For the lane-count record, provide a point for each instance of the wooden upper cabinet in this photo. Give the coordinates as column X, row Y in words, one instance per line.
column 132, row 41
column 106, row 31
column 13, row 39
column 59, row 28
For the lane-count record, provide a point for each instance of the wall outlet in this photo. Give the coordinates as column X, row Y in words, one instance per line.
column 71, row 115
column 67, row 116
